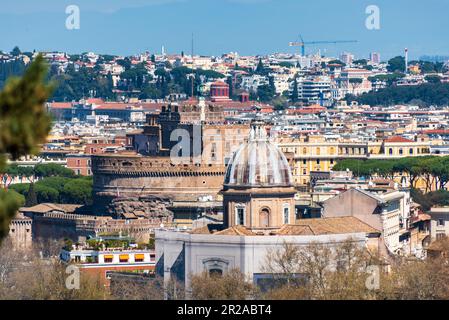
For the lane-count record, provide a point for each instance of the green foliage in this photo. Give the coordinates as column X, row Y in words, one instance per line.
column 389, row 78
column 68, row 245
column 260, row 69
column 286, row 64
column 46, row 194
column 430, row 93
column 78, row 191
column 337, row 62
column 75, row 190
column 265, row 93
column 434, row 170
column 10, row 201
column 75, row 85
column 31, row 198
column 24, row 124
column 433, row 79
column 19, row 171
column 396, row 64
column 294, row 96
column 355, row 80
column 52, row 170
column 430, row 199
column 9, row 69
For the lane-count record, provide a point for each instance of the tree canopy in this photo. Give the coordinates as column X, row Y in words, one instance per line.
column 433, row 169
column 436, row 94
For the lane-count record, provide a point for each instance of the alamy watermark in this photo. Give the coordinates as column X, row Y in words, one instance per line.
column 373, row 280
column 73, row 21
column 372, row 22
column 72, row 282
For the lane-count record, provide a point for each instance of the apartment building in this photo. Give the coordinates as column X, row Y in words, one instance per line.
column 317, row 153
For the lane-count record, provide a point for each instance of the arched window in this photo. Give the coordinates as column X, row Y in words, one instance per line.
column 410, row 151
column 215, row 272
column 401, row 152
column 390, row 151
column 215, row 266
column 264, row 218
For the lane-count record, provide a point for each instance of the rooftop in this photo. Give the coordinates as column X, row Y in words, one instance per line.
column 305, row 227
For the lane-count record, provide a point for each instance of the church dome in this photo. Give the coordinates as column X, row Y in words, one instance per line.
column 258, row 163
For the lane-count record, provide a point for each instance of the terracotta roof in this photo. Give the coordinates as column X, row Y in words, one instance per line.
column 208, row 229
column 47, row 207
column 398, row 139
column 235, row 231
column 320, row 226
column 60, row 105
column 219, row 83
column 217, row 229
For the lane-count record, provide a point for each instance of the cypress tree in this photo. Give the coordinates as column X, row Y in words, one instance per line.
column 294, row 95
column 31, row 198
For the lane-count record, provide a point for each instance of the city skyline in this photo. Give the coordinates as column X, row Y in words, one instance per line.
column 225, row 25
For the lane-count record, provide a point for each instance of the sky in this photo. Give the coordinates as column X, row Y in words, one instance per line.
column 249, row 27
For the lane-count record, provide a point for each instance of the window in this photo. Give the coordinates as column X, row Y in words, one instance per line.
column 410, row 151
column 390, row 151
column 124, row 258
column 440, row 236
column 401, row 152
column 240, row 216
column 304, row 161
column 286, row 214
column 139, row 257
column 440, row 223
column 215, row 272
column 392, row 206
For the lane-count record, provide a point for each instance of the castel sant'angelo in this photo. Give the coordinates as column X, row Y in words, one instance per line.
column 175, row 161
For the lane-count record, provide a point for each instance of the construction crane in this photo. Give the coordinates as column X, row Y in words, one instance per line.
column 303, row 44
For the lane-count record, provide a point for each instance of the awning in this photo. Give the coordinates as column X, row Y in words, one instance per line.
column 139, row 256
column 124, row 257
column 108, row 256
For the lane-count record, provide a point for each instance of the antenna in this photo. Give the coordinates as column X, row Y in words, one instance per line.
column 406, row 60
column 192, row 44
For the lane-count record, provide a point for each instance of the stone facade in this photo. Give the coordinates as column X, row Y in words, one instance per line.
column 131, row 175
column 59, row 226
column 140, row 207
column 20, row 233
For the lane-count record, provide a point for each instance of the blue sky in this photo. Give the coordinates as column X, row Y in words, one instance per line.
column 246, row 26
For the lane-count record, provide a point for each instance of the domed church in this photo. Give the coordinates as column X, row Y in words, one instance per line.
column 258, row 190
column 259, row 216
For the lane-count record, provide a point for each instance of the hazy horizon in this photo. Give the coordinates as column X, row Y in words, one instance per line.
column 248, row 27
